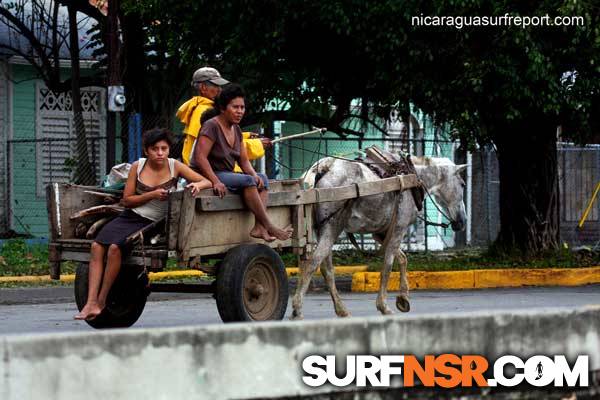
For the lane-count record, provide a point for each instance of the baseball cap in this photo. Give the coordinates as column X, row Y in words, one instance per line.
column 209, row 74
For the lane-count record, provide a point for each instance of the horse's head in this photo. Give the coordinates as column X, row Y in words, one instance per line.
column 444, row 182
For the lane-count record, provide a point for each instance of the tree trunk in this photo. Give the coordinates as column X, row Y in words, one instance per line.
column 528, row 187
column 84, row 172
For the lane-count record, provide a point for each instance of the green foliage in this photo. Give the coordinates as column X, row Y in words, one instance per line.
column 313, row 57
column 18, row 258
column 330, row 62
column 317, row 56
column 466, row 259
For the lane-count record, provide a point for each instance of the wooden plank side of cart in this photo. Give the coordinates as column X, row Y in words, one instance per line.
column 211, row 225
column 312, row 196
column 209, row 232
column 208, row 225
column 64, row 200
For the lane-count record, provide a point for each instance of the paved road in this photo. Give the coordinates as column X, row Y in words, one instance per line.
column 190, row 309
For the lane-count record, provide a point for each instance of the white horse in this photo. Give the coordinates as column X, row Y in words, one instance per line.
column 374, row 214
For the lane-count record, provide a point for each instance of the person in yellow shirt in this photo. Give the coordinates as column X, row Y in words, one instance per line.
column 207, row 81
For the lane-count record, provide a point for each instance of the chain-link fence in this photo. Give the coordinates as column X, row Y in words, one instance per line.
column 34, row 163
column 48, row 150
column 55, row 147
column 579, row 186
column 291, row 158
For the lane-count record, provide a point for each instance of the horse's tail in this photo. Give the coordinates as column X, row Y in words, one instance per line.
column 310, row 178
column 316, row 172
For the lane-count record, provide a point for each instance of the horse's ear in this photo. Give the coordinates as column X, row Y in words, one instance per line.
column 460, row 168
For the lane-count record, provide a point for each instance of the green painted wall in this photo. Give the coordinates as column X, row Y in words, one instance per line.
column 29, row 213
column 29, row 210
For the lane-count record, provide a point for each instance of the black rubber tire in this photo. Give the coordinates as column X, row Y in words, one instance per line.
column 246, row 270
column 126, row 299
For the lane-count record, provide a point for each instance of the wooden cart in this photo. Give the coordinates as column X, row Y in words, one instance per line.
column 205, row 233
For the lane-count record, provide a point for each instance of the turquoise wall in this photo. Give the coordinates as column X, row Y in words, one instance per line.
column 29, row 210
column 29, row 213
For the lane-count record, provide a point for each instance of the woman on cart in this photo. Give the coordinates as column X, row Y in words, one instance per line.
column 217, row 151
column 148, row 185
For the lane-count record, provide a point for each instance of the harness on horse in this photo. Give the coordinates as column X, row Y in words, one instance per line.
column 385, row 165
column 394, row 166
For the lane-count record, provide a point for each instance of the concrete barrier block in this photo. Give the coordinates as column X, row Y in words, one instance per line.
column 263, row 360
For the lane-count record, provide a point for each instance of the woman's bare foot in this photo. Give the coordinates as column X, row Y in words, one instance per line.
column 260, row 232
column 281, row 234
column 89, row 312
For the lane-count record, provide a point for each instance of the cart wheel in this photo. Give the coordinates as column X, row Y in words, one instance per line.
column 252, row 284
column 126, row 299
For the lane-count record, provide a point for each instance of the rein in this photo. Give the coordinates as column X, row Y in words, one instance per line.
column 424, row 219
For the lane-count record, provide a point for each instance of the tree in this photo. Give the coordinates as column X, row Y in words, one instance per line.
column 46, row 30
column 513, row 87
column 500, row 85
column 289, row 52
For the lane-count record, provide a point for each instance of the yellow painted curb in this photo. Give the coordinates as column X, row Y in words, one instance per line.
column 154, row 276
column 157, row 276
column 339, row 270
column 35, row 278
column 537, row 277
column 479, row 279
column 189, row 273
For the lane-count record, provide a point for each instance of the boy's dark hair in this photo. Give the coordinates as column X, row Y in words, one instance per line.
column 153, row 136
column 208, row 114
column 228, row 93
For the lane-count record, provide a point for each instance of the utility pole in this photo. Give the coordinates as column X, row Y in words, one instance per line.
column 113, row 78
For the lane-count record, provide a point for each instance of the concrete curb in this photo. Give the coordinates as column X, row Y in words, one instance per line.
column 157, row 276
column 263, row 360
column 480, row 279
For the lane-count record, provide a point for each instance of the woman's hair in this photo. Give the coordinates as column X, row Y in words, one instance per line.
column 228, row 93
column 153, row 136
column 208, row 114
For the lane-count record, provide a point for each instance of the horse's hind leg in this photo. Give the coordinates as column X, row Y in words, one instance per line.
column 327, row 237
column 388, row 261
column 402, row 302
column 329, row 273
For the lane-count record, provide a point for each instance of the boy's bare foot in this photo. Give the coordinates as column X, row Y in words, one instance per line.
column 260, row 232
column 281, row 234
column 89, row 312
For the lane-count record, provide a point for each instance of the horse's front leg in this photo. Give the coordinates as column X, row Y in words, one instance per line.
column 402, row 302
column 388, row 262
column 327, row 238
column 328, row 273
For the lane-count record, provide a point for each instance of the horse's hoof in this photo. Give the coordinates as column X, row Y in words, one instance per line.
column 402, row 304
column 343, row 314
column 296, row 317
column 384, row 309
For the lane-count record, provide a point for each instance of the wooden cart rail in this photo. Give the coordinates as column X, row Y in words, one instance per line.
column 208, row 202
column 209, row 225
